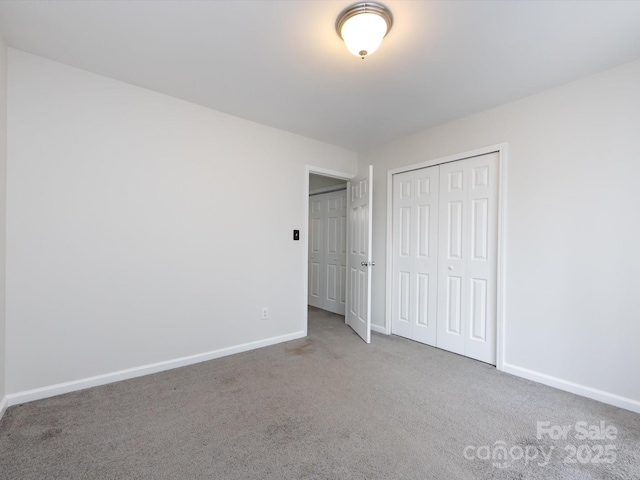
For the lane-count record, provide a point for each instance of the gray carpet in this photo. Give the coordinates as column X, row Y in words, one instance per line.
column 324, row 407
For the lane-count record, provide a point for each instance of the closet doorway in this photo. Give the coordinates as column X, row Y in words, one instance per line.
column 445, row 255
column 327, row 259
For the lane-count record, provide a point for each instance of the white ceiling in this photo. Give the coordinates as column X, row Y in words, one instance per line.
column 281, row 63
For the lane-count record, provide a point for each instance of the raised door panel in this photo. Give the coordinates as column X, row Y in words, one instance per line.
column 423, row 231
column 478, row 310
column 332, row 283
column 404, row 298
column 453, row 318
column 423, row 313
column 453, row 230
column 333, row 235
column 315, row 272
column 404, row 231
column 353, row 291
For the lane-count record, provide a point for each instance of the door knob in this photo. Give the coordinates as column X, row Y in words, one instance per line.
column 450, row 267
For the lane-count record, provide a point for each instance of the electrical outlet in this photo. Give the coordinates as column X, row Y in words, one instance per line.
column 265, row 313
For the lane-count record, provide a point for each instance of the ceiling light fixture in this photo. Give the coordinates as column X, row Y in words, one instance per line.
column 362, row 26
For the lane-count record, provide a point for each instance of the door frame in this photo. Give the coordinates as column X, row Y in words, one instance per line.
column 304, row 231
column 501, row 149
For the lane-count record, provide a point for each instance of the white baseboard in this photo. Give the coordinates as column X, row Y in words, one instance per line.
column 578, row 389
column 4, row 404
column 75, row 385
column 378, row 329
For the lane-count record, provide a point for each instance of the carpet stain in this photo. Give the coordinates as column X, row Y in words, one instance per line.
column 49, row 434
column 228, row 381
column 283, row 427
column 305, row 349
column 285, row 431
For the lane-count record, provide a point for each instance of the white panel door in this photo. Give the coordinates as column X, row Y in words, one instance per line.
column 335, row 251
column 316, row 252
column 359, row 260
column 452, row 270
column 467, row 271
column 402, row 300
column 482, row 259
column 415, row 254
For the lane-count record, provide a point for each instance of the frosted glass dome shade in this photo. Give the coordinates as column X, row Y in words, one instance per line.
column 362, row 26
column 363, row 34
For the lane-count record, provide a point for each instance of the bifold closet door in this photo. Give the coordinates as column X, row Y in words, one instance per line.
column 467, row 272
column 415, row 254
column 444, row 254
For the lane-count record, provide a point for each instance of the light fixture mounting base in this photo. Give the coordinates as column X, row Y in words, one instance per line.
column 364, row 7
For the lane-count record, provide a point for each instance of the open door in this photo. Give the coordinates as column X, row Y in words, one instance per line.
column 359, row 261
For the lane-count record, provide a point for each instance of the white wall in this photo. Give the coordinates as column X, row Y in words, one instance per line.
column 142, row 228
column 573, row 308
column 3, row 209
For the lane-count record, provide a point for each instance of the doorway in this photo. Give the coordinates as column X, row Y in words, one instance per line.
column 327, row 246
column 327, row 262
column 358, row 244
column 325, row 210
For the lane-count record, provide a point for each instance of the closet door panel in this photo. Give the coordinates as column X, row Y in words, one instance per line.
column 402, row 302
column 415, row 252
column 467, row 275
column 316, row 251
column 452, row 256
column 425, row 272
column 481, row 282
